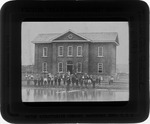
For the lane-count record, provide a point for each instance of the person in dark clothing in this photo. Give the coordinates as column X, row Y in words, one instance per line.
column 93, row 84
column 111, row 80
column 65, row 83
column 49, row 80
column 68, row 82
column 35, row 81
column 89, row 80
column 59, row 80
column 28, row 80
column 52, row 80
column 80, row 81
column 94, row 80
column 99, row 79
column 55, row 80
column 85, row 80
column 76, row 79
column 41, row 81
column 73, row 80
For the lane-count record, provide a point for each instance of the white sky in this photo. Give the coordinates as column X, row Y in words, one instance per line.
column 31, row 29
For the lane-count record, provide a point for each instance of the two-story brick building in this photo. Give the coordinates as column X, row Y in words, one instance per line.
column 91, row 53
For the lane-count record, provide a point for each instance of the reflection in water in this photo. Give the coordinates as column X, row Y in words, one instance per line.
column 57, row 94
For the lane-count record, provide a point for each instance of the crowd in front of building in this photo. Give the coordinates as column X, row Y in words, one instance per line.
column 67, row 80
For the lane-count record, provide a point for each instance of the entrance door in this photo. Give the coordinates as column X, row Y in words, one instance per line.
column 69, row 68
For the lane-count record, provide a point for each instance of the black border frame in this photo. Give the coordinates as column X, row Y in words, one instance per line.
column 15, row 12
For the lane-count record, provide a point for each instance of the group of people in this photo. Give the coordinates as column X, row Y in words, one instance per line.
column 68, row 80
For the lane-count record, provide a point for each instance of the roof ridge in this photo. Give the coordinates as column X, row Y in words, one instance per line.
column 97, row 32
column 48, row 33
column 94, row 36
column 79, row 32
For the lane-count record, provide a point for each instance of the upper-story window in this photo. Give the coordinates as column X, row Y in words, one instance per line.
column 45, row 51
column 100, row 51
column 44, row 67
column 100, row 67
column 79, row 50
column 70, row 51
column 60, row 50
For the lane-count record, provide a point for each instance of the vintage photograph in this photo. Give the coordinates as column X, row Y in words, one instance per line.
column 75, row 61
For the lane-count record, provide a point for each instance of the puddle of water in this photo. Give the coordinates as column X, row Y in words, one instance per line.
column 56, row 94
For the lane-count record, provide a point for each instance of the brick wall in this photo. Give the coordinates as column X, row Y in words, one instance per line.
column 89, row 60
column 39, row 59
column 74, row 59
column 108, row 59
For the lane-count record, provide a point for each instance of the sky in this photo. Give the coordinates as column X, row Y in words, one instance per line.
column 31, row 29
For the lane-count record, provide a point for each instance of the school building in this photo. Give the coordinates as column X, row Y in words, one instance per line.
column 91, row 53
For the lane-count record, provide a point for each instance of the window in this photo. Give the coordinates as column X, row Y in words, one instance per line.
column 70, row 51
column 44, row 67
column 79, row 50
column 79, row 67
column 100, row 51
column 100, row 67
column 60, row 51
column 60, row 67
column 45, row 52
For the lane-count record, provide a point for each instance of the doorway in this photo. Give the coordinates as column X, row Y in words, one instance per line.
column 70, row 67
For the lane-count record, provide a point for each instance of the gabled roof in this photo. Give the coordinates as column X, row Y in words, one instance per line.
column 89, row 37
column 101, row 36
column 58, row 38
column 44, row 38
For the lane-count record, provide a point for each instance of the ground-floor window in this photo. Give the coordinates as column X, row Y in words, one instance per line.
column 60, row 67
column 79, row 67
column 44, row 67
column 100, row 67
